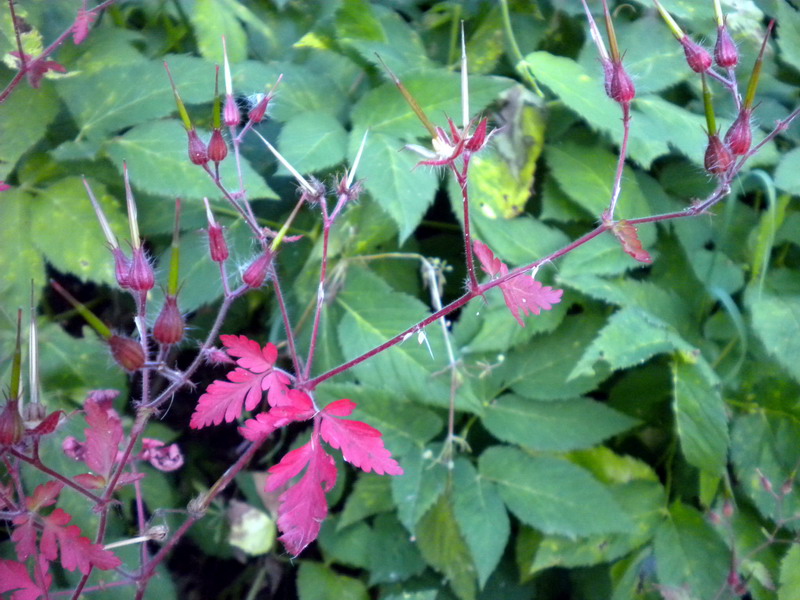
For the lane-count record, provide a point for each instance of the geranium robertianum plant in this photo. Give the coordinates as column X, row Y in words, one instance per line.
column 630, row 432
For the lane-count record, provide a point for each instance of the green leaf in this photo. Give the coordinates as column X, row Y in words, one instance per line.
column 374, row 312
column 345, row 545
column 690, row 556
column 790, row 575
column 643, row 501
column 158, row 163
column 311, row 142
column 21, row 260
column 631, row 337
column 213, row 19
column 443, row 547
column 116, row 98
column 24, row 119
column 602, row 256
column 318, row 582
column 787, row 173
column 65, row 206
column 789, row 39
column 557, row 426
column 393, row 554
column 776, row 321
column 552, row 494
column 422, row 483
column 481, row 517
column 700, row 416
column 371, row 495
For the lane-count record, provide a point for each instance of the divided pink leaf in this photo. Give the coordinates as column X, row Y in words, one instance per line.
column 24, row 536
column 361, row 444
column 628, row 236
column 14, row 577
column 490, row 264
column 291, row 464
column 301, row 408
column 45, row 494
column 77, row 551
column 224, row 400
column 250, row 354
column 103, row 436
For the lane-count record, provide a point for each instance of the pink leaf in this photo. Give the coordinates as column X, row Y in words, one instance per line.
column 489, row 263
column 361, row 444
column 14, row 576
column 265, row 423
column 631, row 244
column 224, row 400
column 77, row 551
column 24, row 536
column 276, row 384
column 45, row 494
column 251, row 356
column 523, row 293
column 303, row 506
column 291, row 464
column 103, row 436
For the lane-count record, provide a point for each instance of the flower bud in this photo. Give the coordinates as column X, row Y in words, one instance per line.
column 122, row 268
column 140, row 276
column 698, row 57
column 256, row 273
column 127, row 352
column 198, row 153
column 739, row 136
column 725, row 53
column 230, row 113
column 718, row 158
column 169, row 324
column 11, row 428
column 257, row 113
column 620, row 88
column 216, row 243
column 217, row 148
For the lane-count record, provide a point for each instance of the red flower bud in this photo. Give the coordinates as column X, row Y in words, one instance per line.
column 256, row 273
column 718, row 158
column 478, row 139
column 620, row 88
column 698, row 57
column 259, row 110
column 11, row 428
column 739, row 136
column 169, row 324
column 217, row 148
column 725, row 53
column 198, row 153
column 122, row 268
column 140, row 276
column 127, row 352
column 230, row 113
column 216, row 243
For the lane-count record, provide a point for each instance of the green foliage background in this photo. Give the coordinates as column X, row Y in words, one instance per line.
column 597, row 441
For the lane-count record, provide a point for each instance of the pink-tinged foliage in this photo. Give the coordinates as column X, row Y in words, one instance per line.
column 24, row 536
column 226, row 400
column 35, row 68
column 77, row 551
column 14, row 577
column 103, row 436
column 4, row 186
column 80, row 28
column 160, row 456
column 44, row 495
column 299, row 407
column 521, row 293
column 631, row 244
column 361, row 444
column 303, row 506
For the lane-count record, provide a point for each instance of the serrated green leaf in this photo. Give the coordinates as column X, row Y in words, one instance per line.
column 602, row 256
column 789, row 40
column 481, row 517
column 515, row 241
column 65, row 206
column 443, row 547
column 393, row 554
column 312, row 141
column 318, row 582
column 213, row 19
column 776, row 321
column 158, row 163
column 690, row 556
column 371, row 495
column 787, row 173
column 21, row 259
column 700, row 417
column 790, row 575
column 556, row 426
column 24, row 118
column 345, row 545
column 552, row 494
column 422, row 483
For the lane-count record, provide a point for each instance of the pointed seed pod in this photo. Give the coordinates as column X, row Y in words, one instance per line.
column 217, row 148
column 620, row 88
column 718, row 158
column 257, row 113
column 127, row 353
column 198, row 153
column 11, row 428
column 739, row 136
column 230, row 112
column 725, row 53
column 697, row 57
column 217, row 245
column 140, row 277
column 122, row 268
column 256, row 273
column 169, row 325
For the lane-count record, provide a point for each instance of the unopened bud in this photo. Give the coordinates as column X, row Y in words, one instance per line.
column 198, row 153
column 11, row 428
column 256, row 273
column 718, row 158
column 620, row 88
column 140, row 277
column 230, row 113
column 697, row 57
column 739, row 136
column 127, row 352
column 217, row 148
column 765, row 482
column 169, row 325
column 217, row 244
column 725, row 53
column 122, row 268
column 727, row 509
column 257, row 113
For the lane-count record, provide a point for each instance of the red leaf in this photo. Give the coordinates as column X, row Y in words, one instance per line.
column 521, row 293
column 103, row 436
column 303, row 506
column 300, row 409
column 14, row 576
column 24, row 536
column 251, row 356
column 77, row 551
column 631, row 244
column 223, row 400
column 291, row 464
column 45, row 494
column 361, row 444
